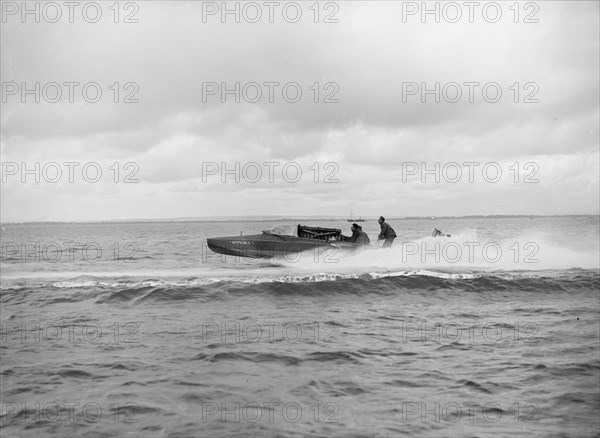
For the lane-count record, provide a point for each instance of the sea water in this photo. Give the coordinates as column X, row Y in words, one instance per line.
column 138, row 329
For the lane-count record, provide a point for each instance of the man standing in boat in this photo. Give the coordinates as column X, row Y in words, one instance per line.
column 358, row 235
column 387, row 233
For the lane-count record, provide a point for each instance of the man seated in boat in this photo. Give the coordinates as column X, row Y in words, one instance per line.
column 358, row 235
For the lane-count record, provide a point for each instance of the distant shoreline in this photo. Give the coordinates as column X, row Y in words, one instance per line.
column 288, row 219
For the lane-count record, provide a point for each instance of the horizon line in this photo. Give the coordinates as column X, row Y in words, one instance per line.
column 264, row 218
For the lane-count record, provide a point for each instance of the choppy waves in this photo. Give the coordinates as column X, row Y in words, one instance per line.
column 147, row 290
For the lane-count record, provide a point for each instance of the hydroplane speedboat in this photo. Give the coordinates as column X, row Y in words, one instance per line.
column 274, row 245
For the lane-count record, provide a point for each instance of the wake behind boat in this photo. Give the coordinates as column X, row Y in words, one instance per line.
column 274, row 245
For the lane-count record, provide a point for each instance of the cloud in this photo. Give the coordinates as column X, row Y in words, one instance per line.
column 367, row 66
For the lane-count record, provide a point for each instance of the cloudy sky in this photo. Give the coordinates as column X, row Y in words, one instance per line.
column 370, row 107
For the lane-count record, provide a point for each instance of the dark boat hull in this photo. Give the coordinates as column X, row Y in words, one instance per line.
column 272, row 246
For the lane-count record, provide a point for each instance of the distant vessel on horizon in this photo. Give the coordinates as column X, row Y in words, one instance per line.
column 360, row 219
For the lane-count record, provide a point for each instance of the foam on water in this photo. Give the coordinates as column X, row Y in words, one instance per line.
column 462, row 251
